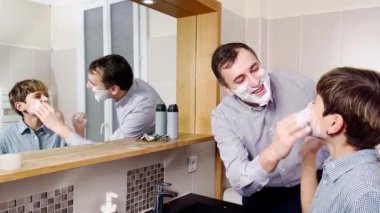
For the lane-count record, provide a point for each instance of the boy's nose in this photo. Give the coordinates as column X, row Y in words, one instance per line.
column 44, row 98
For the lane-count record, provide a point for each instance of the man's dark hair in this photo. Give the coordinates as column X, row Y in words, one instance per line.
column 224, row 57
column 114, row 69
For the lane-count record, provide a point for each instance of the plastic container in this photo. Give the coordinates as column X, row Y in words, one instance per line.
column 173, row 121
column 161, row 119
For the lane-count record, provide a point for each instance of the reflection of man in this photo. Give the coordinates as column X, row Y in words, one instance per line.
column 135, row 101
column 346, row 117
column 29, row 134
column 260, row 163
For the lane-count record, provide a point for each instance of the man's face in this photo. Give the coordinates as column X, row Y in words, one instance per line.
column 94, row 81
column 33, row 102
column 247, row 79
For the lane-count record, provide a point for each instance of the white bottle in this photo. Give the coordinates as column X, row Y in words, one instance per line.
column 173, row 121
column 161, row 119
column 109, row 207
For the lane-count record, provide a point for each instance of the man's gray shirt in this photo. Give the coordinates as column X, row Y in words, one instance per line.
column 136, row 111
column 21, row 138
column 243, row 132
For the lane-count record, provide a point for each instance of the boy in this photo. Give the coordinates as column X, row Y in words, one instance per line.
column 26, row 97
column 346, row 117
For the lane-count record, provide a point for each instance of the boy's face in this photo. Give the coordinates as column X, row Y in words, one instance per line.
column 318, row 121
column 32, row 102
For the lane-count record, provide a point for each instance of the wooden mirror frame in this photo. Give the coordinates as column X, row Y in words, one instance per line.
column 198, row 35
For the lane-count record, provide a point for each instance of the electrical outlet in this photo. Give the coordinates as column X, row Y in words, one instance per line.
column 192, row 164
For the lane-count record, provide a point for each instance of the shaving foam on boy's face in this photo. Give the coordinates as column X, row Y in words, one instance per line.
column 306, row 117
column 34, row 107
column 303, row 117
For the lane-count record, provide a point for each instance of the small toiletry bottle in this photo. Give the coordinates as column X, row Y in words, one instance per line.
column 161, row 119
column 173, row 121
column 109, row 207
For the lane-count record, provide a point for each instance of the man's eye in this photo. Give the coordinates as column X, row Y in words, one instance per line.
column 239, row 81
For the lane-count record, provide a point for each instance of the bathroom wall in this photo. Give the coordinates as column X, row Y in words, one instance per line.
column 90, row 184
column 24, row 42
column 162, row 55
column 310, row 37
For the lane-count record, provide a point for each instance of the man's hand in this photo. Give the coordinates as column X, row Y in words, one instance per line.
column 53, row 120
column 79, row 121
column 288, row 132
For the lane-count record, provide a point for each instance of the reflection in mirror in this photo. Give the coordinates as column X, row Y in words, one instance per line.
column 39, row 41
column 161, row 46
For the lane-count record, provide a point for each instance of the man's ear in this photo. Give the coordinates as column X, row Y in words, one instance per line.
column 227, row 90
column 337, row 124
column 114, row 89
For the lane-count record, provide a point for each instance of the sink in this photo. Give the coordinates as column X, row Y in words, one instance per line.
column 193, row 203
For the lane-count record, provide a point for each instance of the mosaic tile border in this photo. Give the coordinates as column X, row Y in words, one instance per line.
column 60, row 200
column 141, row 186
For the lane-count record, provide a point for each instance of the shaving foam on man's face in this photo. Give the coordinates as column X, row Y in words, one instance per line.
column 100, row 94
column 259, row 94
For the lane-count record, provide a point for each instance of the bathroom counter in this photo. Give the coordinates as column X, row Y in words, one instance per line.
column 54, row 160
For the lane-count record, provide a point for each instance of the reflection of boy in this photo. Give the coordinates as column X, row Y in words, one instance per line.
column 346, row 117
column 29, row 134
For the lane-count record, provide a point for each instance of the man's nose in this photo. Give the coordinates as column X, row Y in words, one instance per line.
column 253, row 81
column 88, row 85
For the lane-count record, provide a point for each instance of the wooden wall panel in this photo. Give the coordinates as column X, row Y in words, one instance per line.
column 186, row 60
column 207, row 88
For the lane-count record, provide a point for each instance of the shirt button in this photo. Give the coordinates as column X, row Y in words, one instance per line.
column 324, row 182
column 282, row 170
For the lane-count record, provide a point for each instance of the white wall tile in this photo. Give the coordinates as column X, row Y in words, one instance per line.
column 264, row 42
column 321, row 42
column 227, row 32
column 21, row 64
column 253, row 34
column 284, row 44
column 162, row 68
column 361, row 38
column 41, row 65
column 204, row 177
column 233, row 27
column 64, row 82
column 5, row 66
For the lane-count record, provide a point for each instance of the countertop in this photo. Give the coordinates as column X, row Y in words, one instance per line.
column 53, row 160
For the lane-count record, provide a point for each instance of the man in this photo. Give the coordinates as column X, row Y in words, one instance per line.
column 260, row 162
column 346, row 117
column 135, row 101
column 29, row 134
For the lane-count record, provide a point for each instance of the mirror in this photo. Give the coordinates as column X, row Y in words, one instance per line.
column 41, row 41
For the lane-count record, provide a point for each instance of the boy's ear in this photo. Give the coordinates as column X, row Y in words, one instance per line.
column 20, row 106
column 337, row 124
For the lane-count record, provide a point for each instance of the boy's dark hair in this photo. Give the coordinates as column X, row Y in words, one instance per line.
column 21, row 89
column 354, row 94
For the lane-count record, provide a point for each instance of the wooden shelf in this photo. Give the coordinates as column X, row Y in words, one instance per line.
column 54, row 160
